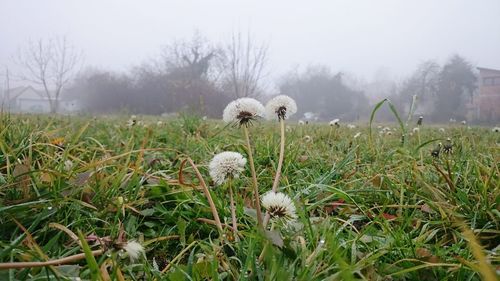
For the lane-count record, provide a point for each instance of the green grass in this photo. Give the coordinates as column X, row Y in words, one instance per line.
column 381, row 213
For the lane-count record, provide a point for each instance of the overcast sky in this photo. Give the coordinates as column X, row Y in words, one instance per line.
column 359, row 37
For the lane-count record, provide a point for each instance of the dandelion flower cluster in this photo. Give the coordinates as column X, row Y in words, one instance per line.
column 134, row 250
column 281, row 106
column 242, row 111
column 279, row 205
column 226, row 164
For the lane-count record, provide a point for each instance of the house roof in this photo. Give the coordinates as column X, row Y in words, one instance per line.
column 16, row 92
column 488, row 69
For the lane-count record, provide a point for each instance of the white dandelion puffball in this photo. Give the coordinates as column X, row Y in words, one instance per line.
column 301, row 122
column 279, row 205
column 281, row 106
column 226, row 164
column 463, row 122
column 351, row 126
column 416, row 129
column 496, row 129
column 134, row 250
column 441, row 130
column 242, row 111
column 68, row 165
column 334, row 122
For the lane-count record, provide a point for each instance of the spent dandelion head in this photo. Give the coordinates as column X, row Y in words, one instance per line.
column 243, row 111
column 134, row 250
column 335, row 122
column 279, row 206
column 226, row 164
column 420, row 119
column 281, row 106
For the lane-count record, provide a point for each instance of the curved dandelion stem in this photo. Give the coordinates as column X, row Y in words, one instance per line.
column 61, row 261
column 233, row 209
column 254, row 177
column 215, row 214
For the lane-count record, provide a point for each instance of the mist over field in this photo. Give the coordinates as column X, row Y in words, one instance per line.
column 164, row 57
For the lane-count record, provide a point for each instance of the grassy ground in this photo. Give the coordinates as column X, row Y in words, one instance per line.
column 368, row 208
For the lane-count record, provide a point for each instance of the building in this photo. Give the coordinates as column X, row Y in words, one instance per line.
column 29, row 99
column 487, row 100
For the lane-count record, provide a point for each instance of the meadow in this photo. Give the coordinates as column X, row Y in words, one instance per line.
column 370, row 204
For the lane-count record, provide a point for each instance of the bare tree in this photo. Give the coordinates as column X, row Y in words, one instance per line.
column 50, row 64
column 244, row 64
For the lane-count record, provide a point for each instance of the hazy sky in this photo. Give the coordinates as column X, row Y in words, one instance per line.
column 359, row 37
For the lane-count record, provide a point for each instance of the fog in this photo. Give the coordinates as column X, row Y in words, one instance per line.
column 366, row 41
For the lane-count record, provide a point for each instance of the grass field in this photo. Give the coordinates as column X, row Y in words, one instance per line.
column 368, row 208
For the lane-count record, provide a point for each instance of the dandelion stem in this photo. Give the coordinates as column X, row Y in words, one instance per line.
column 65, row 260
column 420, row 150
column 233, row 209
column 282, row 155
column 207, row 194
column 280, row 164
column 254, row 177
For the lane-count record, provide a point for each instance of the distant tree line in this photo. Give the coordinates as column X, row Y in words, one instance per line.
column 201, row 77
column 442, row 92
column 194, row 76
column 324, row 94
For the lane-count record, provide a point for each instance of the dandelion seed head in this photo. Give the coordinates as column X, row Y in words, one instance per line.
column 279, row 206
column 301, row 122
column 282, row 107
column 334, row 122
column 68, row 165
column 496, row 129
column 226, row 164
column 243, row 111
column 134, row 250
column 351, row 126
